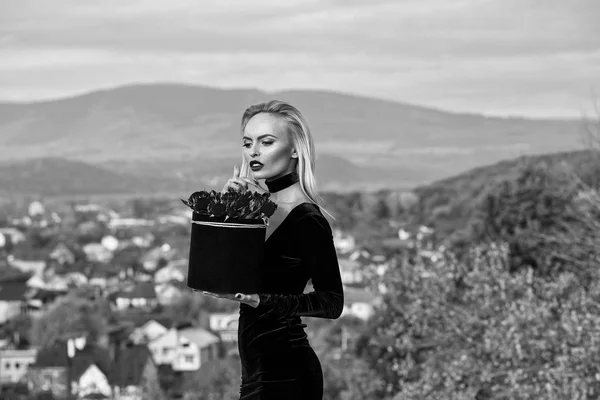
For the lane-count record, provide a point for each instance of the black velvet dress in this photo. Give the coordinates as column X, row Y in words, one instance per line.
column 277, row 360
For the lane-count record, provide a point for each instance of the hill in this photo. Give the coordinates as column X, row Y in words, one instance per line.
column 62, row 177
column 56, row 177
column 448, row 204
column 183, row 131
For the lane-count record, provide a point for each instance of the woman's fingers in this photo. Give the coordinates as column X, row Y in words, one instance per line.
column 219, row 296
column 252, row 182
column 230, row 183
column 250, row 299
column 243, row 184
column 235, row 184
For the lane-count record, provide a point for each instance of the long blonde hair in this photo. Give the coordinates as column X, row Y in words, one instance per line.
column 302, row 140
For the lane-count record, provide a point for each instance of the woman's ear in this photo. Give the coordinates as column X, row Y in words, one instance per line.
column 294, row 153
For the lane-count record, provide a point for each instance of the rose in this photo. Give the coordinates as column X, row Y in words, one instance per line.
column 244, row 199
column 198, row 201
column 229, row 197
column 232, row 213
column 218, row 210
column 232, row 204
column 268, row 208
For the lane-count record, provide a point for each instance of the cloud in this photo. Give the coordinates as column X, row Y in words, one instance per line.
column 490, row 56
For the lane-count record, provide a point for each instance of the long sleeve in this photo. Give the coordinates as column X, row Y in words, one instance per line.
column 319, row 255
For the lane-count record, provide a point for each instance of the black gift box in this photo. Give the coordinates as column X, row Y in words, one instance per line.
column 226, row 257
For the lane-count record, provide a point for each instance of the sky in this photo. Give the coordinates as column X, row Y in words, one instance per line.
column 536, row 58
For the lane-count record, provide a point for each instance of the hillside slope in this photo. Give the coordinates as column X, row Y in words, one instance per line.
column 449, row 204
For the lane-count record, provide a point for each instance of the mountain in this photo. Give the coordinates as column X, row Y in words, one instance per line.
column 190, row 135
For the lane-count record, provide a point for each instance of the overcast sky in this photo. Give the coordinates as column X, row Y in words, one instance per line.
column 499, row 57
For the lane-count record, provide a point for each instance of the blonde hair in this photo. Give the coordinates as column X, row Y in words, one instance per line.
column 301, row 137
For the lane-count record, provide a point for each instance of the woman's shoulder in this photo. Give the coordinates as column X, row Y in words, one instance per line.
column 310, row 218
column 306, row 209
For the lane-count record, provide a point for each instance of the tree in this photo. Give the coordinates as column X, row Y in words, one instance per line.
column 474, row 330
column 196, row 308
column 128, row 257
column 217, row 380
column 141, row 208
column 520, row 210
column 381, row 210
column 18, row 330
column 70, row 315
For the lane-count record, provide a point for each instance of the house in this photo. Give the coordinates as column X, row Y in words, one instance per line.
column 142, row 241
column 13, row 298
column 36, row 208
column 186, row 349
column 141, row 295
column 359, row 303
column 226, row 325
column 13, row 235
column 351, row 271
column 110, row 243
column 96, row 252
column 134, row 375
column 164, row 347
column 14, row 364
column 174, row 219
column 153, row 258
column 76, row 278
column 168, row 293
column 361, row 256
column 202, row 346
column 98, row 281
column 86, row 370
column 100, row 213
column 426, row 237
column 117, row 223
column 36, row 282
column 173, row 271
column 147, row 332
column 57, row 283
column 91, row 383
column 343, row 243
column 379, row 258
column 62, row 254
column 39, row 299
column 36, row 268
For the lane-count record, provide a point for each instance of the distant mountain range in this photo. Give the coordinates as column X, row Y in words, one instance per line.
column 178, row 138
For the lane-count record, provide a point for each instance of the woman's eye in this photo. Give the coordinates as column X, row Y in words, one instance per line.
column 267, row 143
column 246, row 145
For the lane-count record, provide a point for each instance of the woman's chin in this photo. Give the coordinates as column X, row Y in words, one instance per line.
column 260, row 175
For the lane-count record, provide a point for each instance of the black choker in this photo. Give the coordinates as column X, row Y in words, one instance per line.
column 282, row 182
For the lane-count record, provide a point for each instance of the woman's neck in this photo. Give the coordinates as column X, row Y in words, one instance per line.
column 288, row 195
column 282, row 182
column 286, row 189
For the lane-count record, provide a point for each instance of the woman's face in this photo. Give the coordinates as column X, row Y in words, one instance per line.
column 267, row 147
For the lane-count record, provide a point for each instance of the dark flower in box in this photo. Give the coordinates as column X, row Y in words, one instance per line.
column 227, row 240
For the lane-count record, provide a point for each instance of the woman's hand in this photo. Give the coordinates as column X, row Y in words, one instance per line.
column 241, row 184
column 250, row 299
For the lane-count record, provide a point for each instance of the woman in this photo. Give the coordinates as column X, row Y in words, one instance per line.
column 277, row 360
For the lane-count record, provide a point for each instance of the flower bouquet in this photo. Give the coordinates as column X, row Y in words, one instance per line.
column 227, row 240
